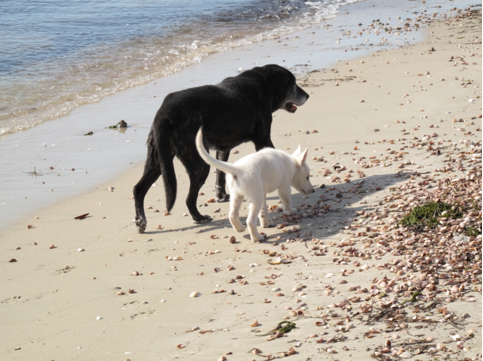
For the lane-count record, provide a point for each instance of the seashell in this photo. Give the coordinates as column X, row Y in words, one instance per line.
column 80, row 250
column 278, row 261
column 256, row 351
column 135, row 273
column 98, row 318
column 429, row 339
column 440, row 346
column 456, row 337
column 195, row 294
column 395, row 336
column 255, row 324
column 406, row 355
column 291, row 351
column 276, row 289
column 180, row 346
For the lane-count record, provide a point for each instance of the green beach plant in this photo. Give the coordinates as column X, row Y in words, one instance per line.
column 427, row 215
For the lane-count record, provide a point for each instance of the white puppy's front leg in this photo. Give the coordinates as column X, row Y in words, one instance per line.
column 286, row 198
column 263, row 215
column 234, row 216
column 254, row 209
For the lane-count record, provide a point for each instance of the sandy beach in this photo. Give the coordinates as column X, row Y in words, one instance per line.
column 385, row 133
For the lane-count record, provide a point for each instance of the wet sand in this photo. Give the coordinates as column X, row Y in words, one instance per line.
column 385, row 133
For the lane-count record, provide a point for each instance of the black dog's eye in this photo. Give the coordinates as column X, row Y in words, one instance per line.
column 307, row 178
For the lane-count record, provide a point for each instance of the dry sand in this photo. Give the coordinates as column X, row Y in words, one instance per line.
column 409, row 117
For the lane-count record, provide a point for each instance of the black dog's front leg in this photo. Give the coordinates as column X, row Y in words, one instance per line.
column 262, row 138
column 221, row 195
column 266, row 143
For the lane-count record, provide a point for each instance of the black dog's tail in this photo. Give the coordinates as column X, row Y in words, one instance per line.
column 160, row 138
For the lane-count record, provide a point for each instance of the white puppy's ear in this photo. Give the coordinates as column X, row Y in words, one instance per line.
column 297, row 152
column 301, row 158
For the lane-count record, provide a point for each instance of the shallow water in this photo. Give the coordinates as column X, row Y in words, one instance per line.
column 58, row 55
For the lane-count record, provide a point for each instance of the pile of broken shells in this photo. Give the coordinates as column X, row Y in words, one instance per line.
column 432, row 267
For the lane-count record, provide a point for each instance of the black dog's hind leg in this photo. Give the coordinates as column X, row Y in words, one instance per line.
column 197, row 171
column 152, row 171
column 221, row 195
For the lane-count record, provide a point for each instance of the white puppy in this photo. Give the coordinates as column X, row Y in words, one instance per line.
column 257, row 174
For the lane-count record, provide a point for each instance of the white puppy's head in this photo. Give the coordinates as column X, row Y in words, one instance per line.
column 301, row 179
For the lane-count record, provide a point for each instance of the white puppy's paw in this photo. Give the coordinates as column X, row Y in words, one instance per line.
column 257, row 238
column 290, row 211
column 268, row 224
column 240, row 228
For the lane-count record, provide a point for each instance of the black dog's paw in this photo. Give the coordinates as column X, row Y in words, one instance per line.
column 223, row 198
column 202, row 219
column 141, row 226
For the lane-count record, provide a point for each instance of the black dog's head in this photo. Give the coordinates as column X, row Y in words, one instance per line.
column 285, row 92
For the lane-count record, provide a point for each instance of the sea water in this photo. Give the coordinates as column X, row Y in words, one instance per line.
column 57, row 55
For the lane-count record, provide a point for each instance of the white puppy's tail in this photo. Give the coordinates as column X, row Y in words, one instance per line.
column 223, row 166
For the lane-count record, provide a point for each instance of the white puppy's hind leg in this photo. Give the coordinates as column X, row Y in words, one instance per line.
column 263, row 215
column 234, row 216
column 286, row 198
column 254, row 210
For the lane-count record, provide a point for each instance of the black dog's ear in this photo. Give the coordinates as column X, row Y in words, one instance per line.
column 280, row 81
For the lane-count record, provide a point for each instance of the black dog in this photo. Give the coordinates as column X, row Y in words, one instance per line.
column 237, row 110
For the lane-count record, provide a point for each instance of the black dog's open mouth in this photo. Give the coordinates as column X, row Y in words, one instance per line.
column 290, row 107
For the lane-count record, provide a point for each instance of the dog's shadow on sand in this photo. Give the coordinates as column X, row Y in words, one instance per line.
column 344, row 201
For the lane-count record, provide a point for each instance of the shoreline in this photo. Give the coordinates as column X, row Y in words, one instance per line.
column 374, row 127
column 67, row 163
